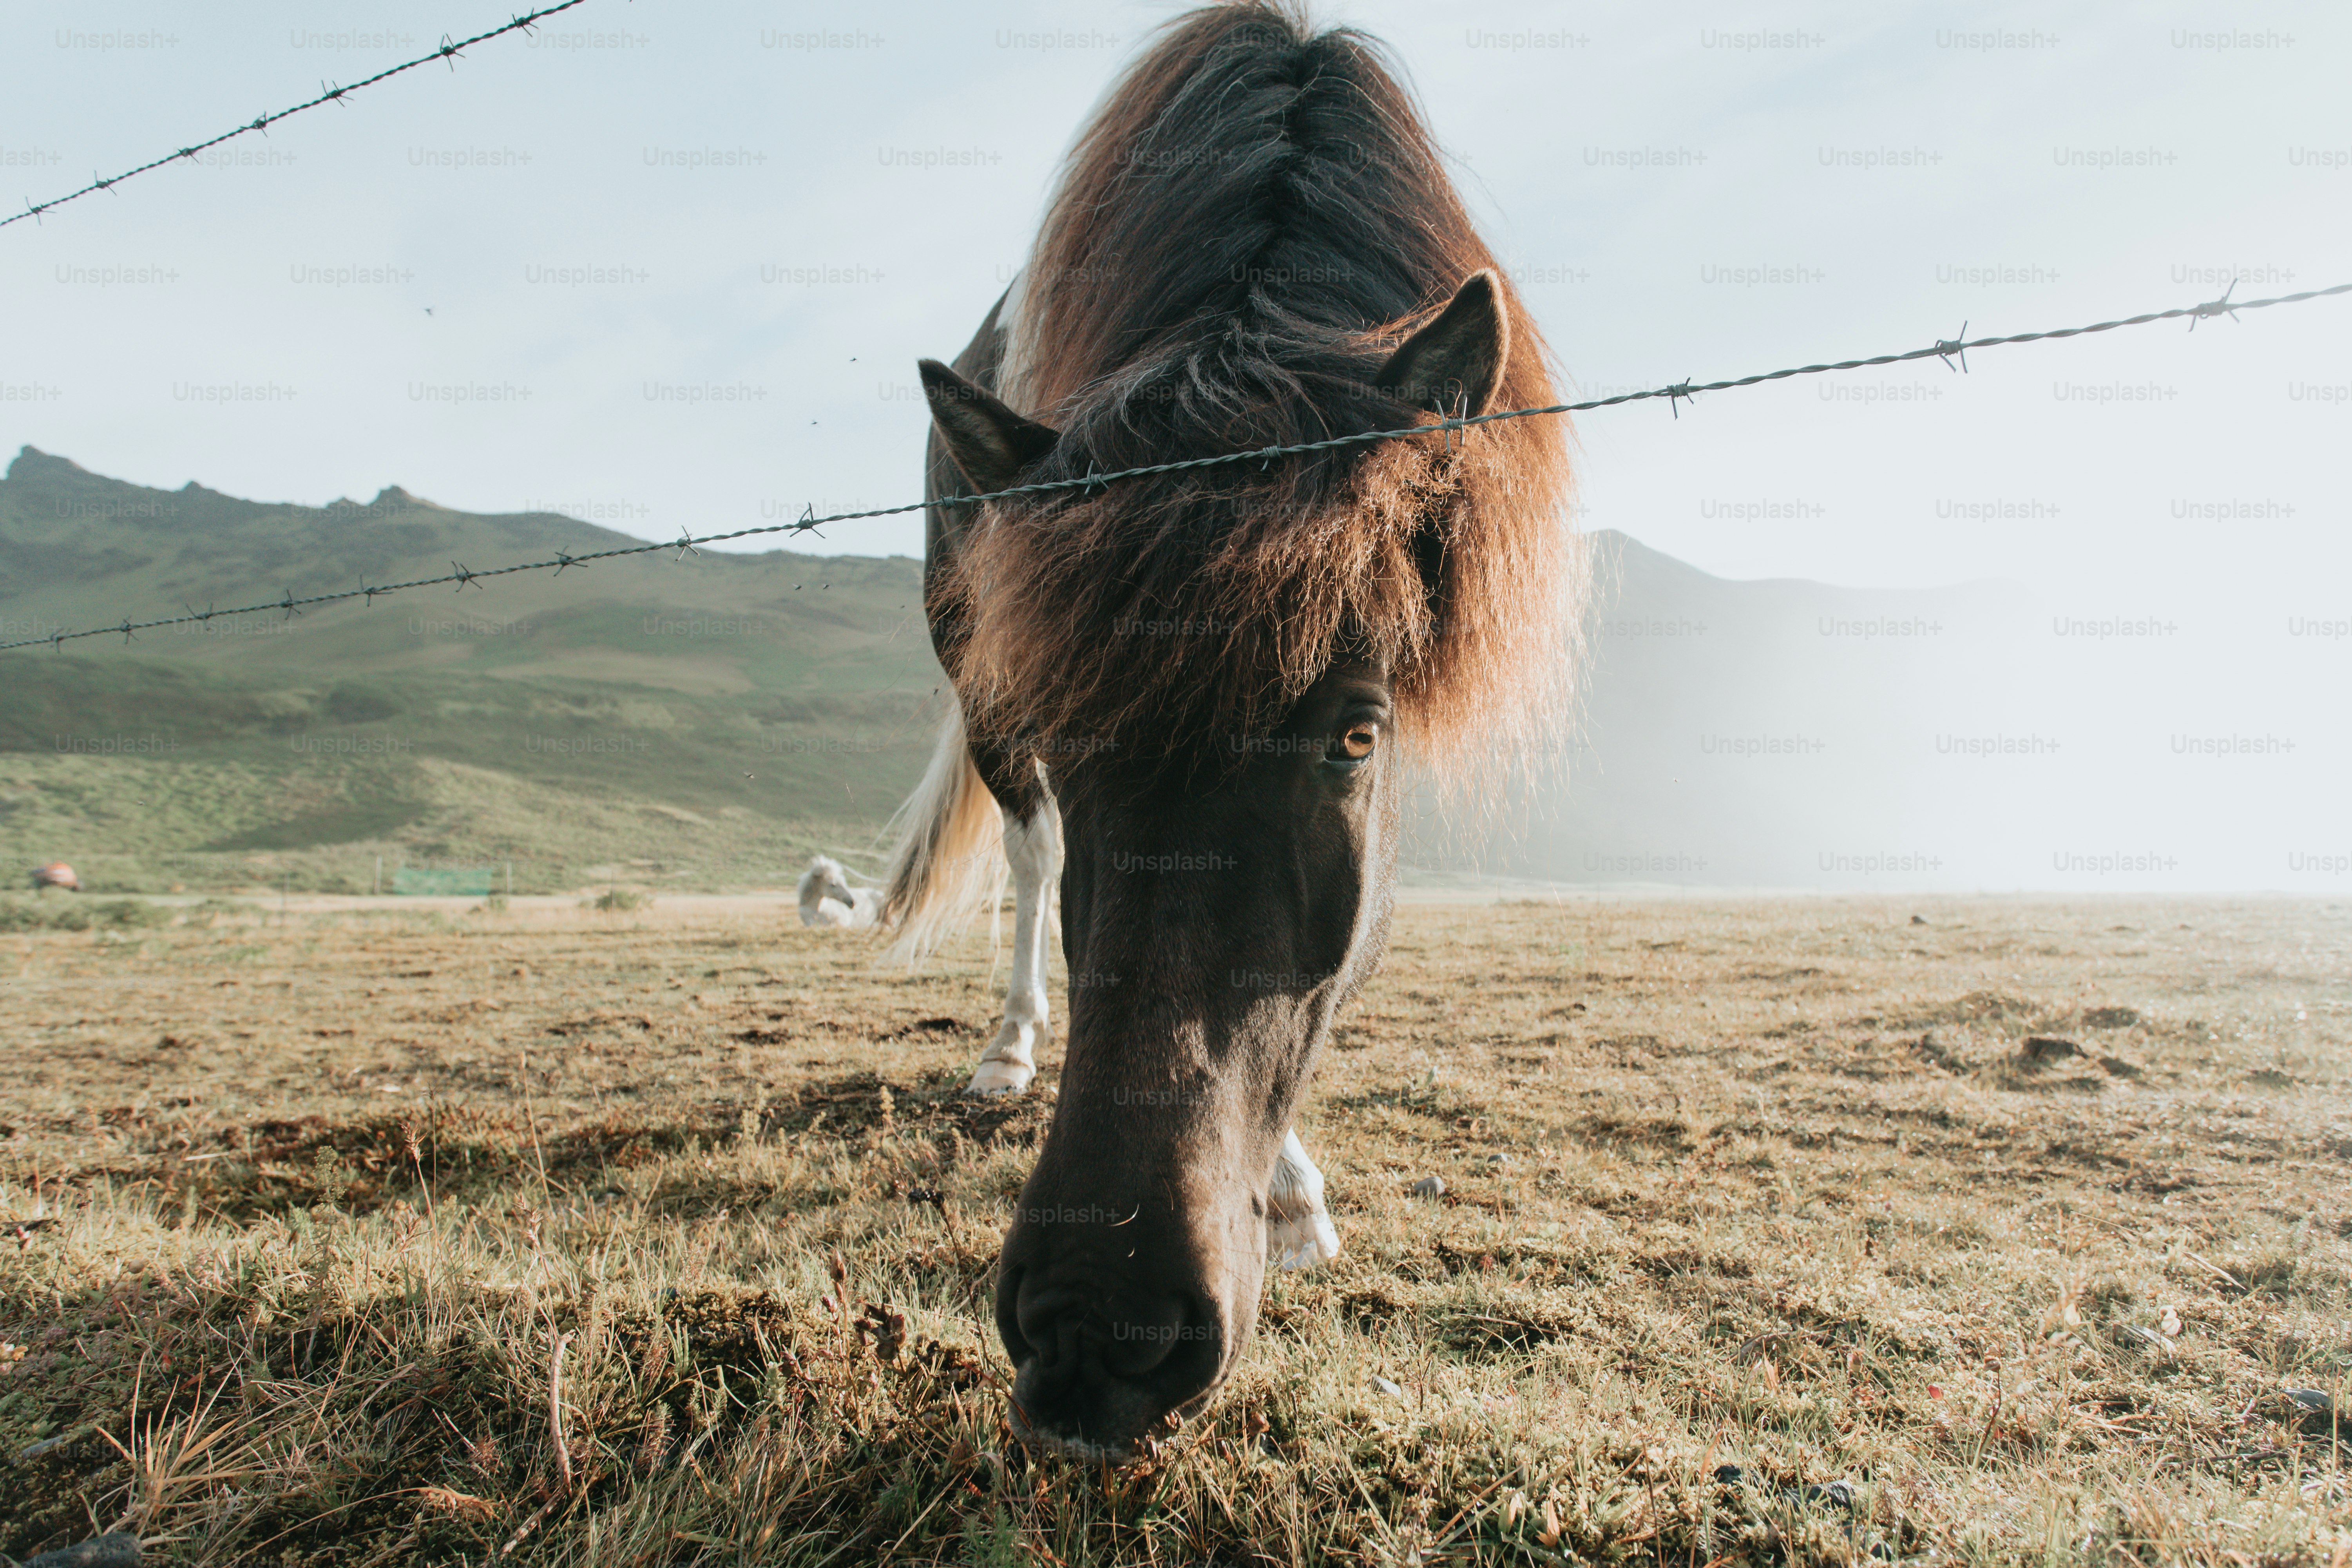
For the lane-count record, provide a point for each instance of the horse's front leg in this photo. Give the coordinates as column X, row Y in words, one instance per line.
column 1032, row 849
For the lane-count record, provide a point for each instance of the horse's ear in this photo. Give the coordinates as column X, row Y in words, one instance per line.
column 988, row 441
column 1455, row 363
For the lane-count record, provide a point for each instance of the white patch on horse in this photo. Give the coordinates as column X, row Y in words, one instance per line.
column 1298, row 1231
column 1034, row 851
column 828, row 897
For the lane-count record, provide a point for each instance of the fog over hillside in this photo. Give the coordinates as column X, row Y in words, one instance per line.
column 1786, row 733
column 1774, row 733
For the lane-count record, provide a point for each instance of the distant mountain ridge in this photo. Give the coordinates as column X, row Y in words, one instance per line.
column 77, row 549
column 201, row 538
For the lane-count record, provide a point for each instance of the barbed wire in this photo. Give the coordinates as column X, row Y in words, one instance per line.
column 447, row 51
column 1953, row 351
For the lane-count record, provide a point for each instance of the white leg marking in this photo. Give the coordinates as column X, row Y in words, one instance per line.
column 1034, row 851
column 1298, row 1229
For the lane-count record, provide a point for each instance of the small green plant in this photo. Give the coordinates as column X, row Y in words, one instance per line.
column 614, row 900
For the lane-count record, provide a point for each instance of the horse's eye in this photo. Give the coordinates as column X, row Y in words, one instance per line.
column 1358, row 742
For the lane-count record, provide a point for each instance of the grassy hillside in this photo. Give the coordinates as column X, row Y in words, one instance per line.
column 703, row 722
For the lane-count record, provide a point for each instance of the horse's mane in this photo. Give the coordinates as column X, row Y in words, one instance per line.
column 1252, row 221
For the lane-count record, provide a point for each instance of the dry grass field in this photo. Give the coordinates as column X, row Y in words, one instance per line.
column 1771, row 1232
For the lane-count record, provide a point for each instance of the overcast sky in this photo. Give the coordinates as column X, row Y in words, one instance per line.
column 678, row 263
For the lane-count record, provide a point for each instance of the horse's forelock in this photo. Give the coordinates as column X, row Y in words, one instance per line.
column 1252, row 220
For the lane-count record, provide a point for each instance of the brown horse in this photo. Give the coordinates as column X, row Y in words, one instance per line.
column 1191, row 696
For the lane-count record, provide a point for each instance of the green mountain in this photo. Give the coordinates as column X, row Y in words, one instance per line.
column 701, row 723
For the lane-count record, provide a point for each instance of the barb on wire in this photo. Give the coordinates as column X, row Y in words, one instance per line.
column 2221, row 307
column 1092, row 482
column 263, row 123
column 1957, row 347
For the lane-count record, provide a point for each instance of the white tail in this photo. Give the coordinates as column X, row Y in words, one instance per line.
column 947, row 856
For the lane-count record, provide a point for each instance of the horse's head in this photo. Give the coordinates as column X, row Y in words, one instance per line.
column 1224, row 889
column 825, row 878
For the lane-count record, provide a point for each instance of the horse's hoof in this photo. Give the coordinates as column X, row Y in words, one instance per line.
column 1000, row 1078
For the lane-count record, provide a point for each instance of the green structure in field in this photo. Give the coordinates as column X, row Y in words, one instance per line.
column 448, row 882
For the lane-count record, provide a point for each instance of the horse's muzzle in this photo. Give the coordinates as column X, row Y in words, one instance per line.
column 1103, row 1356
